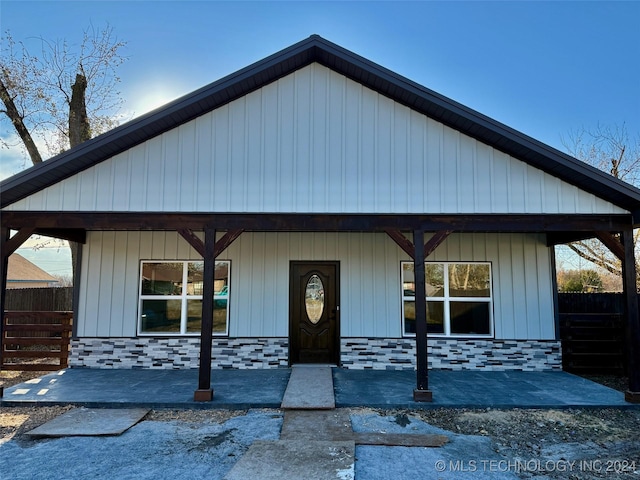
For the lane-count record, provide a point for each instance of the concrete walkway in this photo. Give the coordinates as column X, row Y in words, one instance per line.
column 335, row 425
column 310, row 387
column 244, row 389
column 294, row 460
column 316, row 441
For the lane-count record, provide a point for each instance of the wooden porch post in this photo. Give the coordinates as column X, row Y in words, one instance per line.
column 4, row 263
column 633, row 317
column 77, row 278
column 422, row 392
column 204, row 393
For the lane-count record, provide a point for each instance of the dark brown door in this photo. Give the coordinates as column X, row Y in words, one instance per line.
column 314, row 330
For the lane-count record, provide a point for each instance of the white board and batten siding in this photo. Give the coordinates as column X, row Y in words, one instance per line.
column 315, row 141
column 370, row 280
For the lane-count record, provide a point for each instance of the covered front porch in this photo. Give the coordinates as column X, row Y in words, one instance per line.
column 417, row 235
column 243, row 389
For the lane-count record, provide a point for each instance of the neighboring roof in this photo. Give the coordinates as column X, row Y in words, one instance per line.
column 22, row 270
column 355, row 67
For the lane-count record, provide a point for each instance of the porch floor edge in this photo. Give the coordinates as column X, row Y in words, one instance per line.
column 248, row 389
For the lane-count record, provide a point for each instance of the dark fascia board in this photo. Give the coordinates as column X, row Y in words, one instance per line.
column 355, row 67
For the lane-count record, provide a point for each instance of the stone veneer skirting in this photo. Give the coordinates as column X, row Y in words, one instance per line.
column 452, row 354
column 178, row 353
column 355, row 353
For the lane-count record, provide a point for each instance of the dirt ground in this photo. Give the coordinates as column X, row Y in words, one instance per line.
column 608, row 436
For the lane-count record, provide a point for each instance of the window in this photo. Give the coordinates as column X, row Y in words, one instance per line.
column 459, row 301
column 171, row 298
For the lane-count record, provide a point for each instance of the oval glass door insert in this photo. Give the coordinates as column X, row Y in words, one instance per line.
column 314, row 299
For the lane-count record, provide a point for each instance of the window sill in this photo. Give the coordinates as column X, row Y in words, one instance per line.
column 179, row 335
column 456, row 337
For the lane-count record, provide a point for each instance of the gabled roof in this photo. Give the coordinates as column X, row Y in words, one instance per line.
column 355, row 67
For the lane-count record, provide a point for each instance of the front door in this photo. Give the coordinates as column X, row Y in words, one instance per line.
column 314, row 329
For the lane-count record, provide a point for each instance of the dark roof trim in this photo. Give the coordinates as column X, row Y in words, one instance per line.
column 312, row 222
column 355, row 67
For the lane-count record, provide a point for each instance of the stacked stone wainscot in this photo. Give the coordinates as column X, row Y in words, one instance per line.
column 355, row 353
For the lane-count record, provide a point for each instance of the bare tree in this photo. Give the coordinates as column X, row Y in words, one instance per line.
column 63, row 95
column 614, row 150
column 610, row 148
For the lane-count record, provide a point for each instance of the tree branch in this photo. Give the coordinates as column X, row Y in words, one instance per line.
column 596, row 260
column 18, row 123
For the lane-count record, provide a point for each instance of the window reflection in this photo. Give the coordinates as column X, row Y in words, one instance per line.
column 171, row 297
column 468, row 280
column 161, row 316
column 161, row 278
column 458, row 298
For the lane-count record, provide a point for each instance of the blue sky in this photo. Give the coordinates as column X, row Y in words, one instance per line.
column 543, row 68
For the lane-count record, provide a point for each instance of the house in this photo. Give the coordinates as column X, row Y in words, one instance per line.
column 315, row 207
column 21, row 273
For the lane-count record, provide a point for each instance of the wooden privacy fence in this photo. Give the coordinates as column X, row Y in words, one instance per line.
column 593, row 334
column 36, row 336
column 51, row 299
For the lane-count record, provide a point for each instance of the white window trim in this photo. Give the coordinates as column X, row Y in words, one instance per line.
column 446, row 299
column 184, row 297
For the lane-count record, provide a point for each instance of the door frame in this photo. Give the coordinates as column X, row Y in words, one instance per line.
column 336, row 264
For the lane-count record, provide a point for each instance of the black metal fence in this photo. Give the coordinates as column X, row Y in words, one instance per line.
column 592, row 330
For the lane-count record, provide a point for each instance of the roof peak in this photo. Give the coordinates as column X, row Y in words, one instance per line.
column 353, row 66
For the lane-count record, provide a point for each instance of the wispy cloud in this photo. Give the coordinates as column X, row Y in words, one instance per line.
column 13, row 155
column 14, row 158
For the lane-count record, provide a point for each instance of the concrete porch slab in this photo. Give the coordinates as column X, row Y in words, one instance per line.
column 473, row 389
column 90, row 422
column 244, row 389
column 120, row 388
